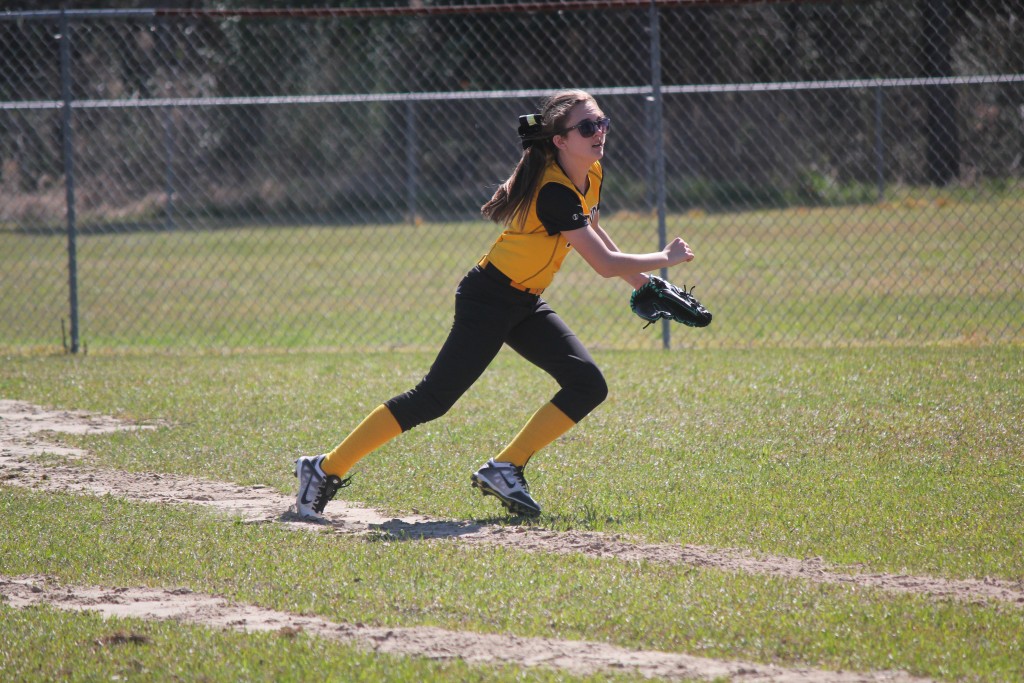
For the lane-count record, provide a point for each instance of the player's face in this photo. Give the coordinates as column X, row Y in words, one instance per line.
column 575, row 143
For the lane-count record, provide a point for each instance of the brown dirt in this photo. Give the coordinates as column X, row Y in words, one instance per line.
column 23, row 429
column 576, row 657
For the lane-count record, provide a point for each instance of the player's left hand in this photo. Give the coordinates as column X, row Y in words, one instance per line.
column 659, row 299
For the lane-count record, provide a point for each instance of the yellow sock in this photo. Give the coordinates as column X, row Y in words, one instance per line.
column 377, row 429
column 546, row 425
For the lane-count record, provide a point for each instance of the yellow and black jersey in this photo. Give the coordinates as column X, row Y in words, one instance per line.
column 531, row 253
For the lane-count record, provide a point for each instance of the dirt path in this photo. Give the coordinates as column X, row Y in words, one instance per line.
column 23, row 430
column 577, row 657
column 22, row 426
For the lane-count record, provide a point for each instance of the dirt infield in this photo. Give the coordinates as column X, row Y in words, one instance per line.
column 22, row 438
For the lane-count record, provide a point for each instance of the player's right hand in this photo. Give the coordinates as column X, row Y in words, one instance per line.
column 678, row 251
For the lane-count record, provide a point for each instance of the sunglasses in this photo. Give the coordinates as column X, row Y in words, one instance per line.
column 588, row 128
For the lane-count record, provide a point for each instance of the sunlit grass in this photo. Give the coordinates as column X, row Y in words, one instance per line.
column 44, row 644
column 911, row 270
column 488, row 590
column 890, row 458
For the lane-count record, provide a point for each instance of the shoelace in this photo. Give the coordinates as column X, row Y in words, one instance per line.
column 521, row 477
column 328, row 489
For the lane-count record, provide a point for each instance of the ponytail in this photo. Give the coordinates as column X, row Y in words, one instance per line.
column 511, row 201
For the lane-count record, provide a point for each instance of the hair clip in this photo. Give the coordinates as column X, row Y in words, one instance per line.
column 530, row 129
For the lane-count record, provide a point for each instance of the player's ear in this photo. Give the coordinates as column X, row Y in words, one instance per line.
column 559, row 141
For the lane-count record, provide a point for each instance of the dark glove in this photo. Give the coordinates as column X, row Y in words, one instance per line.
column 658, row 299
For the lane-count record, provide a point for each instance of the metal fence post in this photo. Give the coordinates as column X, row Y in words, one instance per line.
column 69, row 175
column 411, row 164
column 658, row 134
column 169, row 166
column 879, row 144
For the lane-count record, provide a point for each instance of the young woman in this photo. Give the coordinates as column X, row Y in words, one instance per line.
column 548, row 207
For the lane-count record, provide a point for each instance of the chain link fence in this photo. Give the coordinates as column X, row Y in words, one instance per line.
column 223, row 179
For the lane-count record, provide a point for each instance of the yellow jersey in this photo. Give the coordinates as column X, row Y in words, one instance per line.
column 531, row 253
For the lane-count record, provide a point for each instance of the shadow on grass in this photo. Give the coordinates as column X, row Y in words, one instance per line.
column 399, row 530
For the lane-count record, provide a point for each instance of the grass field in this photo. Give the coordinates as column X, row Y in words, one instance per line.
column 930, row 270
column 902, row 460
column 856, row 403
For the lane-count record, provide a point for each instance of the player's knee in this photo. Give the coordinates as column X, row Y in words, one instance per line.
column 587, row 390
column 597, row 387
column 430, row 408
column 417, row 407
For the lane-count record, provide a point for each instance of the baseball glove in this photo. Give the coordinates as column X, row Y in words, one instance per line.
column 658, row 299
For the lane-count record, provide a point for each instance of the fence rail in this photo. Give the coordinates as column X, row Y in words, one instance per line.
column 311, row 179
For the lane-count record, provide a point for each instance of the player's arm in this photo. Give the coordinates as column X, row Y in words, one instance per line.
column 560, row 211
column 600, row 252
column 635, row 280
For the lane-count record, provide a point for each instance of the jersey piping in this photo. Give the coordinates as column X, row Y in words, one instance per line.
column 531, row 253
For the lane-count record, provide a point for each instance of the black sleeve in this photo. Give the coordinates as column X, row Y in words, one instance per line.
column 560, row 209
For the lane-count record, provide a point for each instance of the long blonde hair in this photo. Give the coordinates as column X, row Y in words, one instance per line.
column 511, row 201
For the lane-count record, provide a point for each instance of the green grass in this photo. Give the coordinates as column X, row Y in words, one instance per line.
column 42, row 644
column 933, row 270
column 892, row 458
column 648, row 606
column 896, row 459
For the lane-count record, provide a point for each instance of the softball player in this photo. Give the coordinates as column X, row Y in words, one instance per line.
column 549, row 206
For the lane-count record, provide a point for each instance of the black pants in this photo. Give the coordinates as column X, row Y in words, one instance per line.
column 488, row 314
